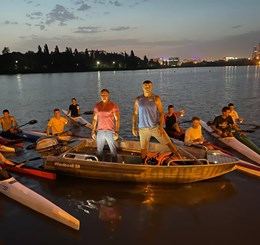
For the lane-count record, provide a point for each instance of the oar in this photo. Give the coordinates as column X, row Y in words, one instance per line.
column 188, row 121
column 30, row 122
column 251, row 124
column 88, row 112
column 190, row 155
column 246, row 131
column 20, row 164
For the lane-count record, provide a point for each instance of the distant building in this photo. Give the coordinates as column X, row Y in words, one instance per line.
column 256, row 53
column 228, row 58
column 174, row 61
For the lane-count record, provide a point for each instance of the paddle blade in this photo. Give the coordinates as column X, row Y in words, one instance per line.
column 32, row 122
column 88, row 112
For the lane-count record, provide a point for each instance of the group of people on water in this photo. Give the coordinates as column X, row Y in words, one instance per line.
column 148, row 112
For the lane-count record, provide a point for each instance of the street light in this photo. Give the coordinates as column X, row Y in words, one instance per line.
column 98, row 63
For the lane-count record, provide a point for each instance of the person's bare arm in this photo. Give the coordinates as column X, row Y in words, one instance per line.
column 134, row 118
column 117, row 126
column 94, row 125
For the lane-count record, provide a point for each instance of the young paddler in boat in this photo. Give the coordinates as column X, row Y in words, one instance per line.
column 74, row 108
column 224, row 124
column 194, row 137
column 56, row 124
column 106, row 124
column 148, row 110
column 172, row 127
column 234, row 114
column 5, row 160
column 9, row 125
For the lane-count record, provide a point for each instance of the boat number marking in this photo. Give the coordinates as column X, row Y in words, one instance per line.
column 66, row 165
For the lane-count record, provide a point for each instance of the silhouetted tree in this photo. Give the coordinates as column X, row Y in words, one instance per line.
column 6, row 50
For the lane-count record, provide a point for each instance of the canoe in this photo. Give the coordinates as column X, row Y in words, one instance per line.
column 4, row 148
column 10, row 187
column 30, row 170
column 233, row 143
column 78, row 120
column 79, row 160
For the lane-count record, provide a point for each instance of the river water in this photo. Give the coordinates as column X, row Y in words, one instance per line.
column 224, row 210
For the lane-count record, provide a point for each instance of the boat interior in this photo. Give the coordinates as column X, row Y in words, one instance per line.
column 128, row 152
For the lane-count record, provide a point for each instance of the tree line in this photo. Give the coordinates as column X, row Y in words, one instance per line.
column 69, row 61
column 44, row 61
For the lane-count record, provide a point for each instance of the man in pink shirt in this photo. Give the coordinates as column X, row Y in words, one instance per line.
column 105, row 124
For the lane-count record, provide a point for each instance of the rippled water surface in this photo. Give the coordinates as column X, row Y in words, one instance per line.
column 220, row 211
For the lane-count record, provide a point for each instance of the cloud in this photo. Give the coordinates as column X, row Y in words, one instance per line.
column 88, row 29
column 42, row 26
column 59, row 14
column 235, row 27
column 7, row 22
column 120, row 28
column 115, row 3
column 35, row 15
column 84, row 7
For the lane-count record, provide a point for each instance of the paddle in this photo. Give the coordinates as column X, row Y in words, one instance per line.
column 190, row 155
column 251, row 124
column 188, row 121
column 88, row 112
column 30, row 122
column 20, row 164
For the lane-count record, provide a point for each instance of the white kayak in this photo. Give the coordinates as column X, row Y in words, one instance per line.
column 79, row 120
column 233, row 143
column 10, row 187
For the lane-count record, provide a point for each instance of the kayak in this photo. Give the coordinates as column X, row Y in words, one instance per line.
column 248, row 168
column 4, row 148
column 246, row 141
column 5, row 141
column 33, row 136
column 10, row 187
column 78, row 120
column 233, row 143
column 30, row 170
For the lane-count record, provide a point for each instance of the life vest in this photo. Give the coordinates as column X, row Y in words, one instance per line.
column 156, row 158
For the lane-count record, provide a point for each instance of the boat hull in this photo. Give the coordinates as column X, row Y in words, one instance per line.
column 130, row 168
column 20, row 193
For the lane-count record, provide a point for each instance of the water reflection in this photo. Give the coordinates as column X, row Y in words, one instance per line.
column 115, row 203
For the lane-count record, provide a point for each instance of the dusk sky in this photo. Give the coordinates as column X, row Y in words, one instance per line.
column 208, row 29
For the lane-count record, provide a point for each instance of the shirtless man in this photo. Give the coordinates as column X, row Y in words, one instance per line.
column 9, row 125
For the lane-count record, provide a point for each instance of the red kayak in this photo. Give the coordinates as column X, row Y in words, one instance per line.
column 5, row 141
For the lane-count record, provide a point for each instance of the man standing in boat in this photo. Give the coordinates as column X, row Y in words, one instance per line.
column 73, row 108
column 57, row 124
column 105, row 124
column 149, row 111
column 9, row 125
